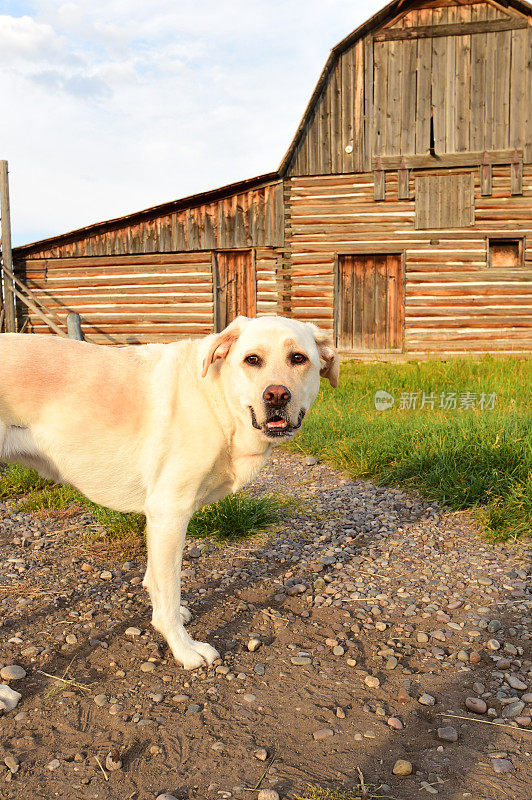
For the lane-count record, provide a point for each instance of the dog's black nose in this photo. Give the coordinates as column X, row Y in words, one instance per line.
column 276, row 396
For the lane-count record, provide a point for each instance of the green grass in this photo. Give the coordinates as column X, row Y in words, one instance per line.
column 235, row 517
column 465, row 458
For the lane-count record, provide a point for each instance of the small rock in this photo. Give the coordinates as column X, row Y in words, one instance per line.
column 501, row 765
column 476, row 704
column 194, row 552
column 113, row 761
column 448, row 734
column 71, row 638
column 267, row 794
column 310, row 461
column 147, row 666
column 372, row 682
column 338, row 650
column 301, row 661
column 254, row 644
column 13, row 672
column 106, row 575
column 166, row 796
column 249, row 698
column 323, row 733
column 53, row 764
column 261, row 753
column 422, row 637
column 515, row 682
column 12, row 764
column 513, row 709
column 133, row 631
column 402, row 695
column 101, row 700
column 426, row 699
column 402, row 767
column 395, row 723
column 340, row 713
column 9, row 699
column 493, row 644
column 391, row 663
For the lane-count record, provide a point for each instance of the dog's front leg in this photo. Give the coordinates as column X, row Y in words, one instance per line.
column 165, row 536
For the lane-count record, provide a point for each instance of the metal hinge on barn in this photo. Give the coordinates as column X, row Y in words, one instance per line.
column 12, row 288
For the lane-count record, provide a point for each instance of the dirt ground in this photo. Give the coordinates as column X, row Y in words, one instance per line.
column 364, row 601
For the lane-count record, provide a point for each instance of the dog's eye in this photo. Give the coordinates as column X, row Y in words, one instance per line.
column 253, row 360
column 298, row 358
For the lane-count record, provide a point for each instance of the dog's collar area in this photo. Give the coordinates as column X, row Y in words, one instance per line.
column 276, row 423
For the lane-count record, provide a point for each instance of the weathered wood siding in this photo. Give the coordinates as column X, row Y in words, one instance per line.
column 252, row 218
column 454, row 302
column 380, row 93
column 138, row 298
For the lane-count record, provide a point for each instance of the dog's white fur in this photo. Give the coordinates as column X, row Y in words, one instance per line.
column 158, row 429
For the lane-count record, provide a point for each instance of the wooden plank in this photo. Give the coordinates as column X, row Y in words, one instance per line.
column 518, row 72
column 358, row 143
column 408, row 97
column 368, row 303
column 335, row 122
column 403, row 184
column 368, row 102
column 501, row 119
column 452, row 29
column 423, row 91
column 472, row 159
column 380, row 57
column 393, row 111
column 379, row 177
column 7, row 257
column 381, row 288
column 347, row 109
column 358, row 300
column 516, row 175
column 463, row 92
column 450, row 91
column 478, row 85
column 439, row 98
column 346, row 299
column 528, row 99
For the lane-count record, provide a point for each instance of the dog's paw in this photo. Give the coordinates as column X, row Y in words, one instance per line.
column 186, row 616
column 208, row 652
column 190, row 658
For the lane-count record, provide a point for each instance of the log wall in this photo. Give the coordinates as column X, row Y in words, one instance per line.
column 138, row 298
column 454, row 303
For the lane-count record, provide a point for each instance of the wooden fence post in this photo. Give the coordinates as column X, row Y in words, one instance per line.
column 7, row 259
column 74, row 326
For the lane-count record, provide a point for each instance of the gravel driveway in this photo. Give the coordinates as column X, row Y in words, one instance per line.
column 373, row 632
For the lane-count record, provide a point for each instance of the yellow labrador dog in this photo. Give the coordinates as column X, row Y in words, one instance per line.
column 161, row 429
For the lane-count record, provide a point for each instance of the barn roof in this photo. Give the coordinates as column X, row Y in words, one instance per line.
column 152, row 212
column 380, row 18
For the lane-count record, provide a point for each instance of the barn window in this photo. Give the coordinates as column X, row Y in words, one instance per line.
column 505, row 253
column 445, row 201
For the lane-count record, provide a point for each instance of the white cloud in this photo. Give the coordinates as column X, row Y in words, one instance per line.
column 118, row 105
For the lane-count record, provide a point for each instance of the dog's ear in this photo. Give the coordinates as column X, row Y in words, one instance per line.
column 330, row 363
column 223, row 342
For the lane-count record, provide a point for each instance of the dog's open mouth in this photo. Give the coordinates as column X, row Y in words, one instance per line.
column 276, row 424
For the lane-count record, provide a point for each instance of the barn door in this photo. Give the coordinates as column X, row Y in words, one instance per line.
column 235, row 291
column 370, row 302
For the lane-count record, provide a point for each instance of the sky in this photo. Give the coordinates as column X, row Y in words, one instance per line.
column 111, row 106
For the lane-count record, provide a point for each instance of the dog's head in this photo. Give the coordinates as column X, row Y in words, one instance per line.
column 272, row 368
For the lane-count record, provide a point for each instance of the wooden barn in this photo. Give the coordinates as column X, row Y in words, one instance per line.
column 400, row 217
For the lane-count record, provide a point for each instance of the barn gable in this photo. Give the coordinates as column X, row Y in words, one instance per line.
column 438, row 76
